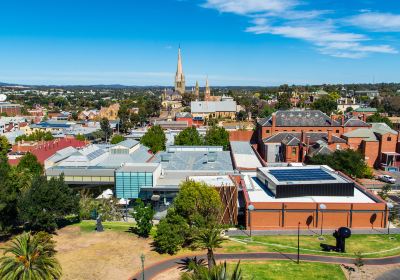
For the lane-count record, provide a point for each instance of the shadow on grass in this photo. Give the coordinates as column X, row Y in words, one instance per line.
column 61, row 223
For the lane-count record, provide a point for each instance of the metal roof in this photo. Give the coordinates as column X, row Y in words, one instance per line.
column 195, row 160
column 213, row 106
column 298, row 118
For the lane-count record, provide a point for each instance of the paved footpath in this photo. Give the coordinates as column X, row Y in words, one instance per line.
column 158, row 268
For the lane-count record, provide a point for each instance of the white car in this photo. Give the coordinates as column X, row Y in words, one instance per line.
column 387, row 179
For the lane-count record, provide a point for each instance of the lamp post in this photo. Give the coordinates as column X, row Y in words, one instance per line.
column 142, row 259
column 389, row 206
column 322, row 207
column 298, row 243
column 250, row 208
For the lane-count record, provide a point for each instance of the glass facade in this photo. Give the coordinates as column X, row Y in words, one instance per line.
column 128, row 184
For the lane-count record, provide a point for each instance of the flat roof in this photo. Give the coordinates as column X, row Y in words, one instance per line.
column 258, row 192
column 244, row 155
column 310, row 174
column 216, row 181
column 140, row 167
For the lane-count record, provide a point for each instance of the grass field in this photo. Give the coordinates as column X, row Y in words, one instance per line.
column 368, row 245
column 89, row 226
column 283, row 270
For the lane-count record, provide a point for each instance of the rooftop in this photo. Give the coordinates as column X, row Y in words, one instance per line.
column 311, row 174
column 213, row 106
column 257, row 192
column 244, row 155
column 300, row 118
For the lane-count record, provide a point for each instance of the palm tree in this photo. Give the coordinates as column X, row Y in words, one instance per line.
column 190, row 264
column 218, row 272
column 209, row 239
column 28, row 258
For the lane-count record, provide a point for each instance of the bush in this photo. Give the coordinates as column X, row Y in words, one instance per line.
column 171, row 233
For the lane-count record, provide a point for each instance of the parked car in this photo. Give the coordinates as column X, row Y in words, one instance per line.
column 387, row 179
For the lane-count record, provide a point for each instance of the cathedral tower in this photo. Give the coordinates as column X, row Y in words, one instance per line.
column 180, row 77
column 207, row 92
column 197, row 91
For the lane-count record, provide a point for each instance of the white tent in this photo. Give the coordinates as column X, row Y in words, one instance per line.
column 107, row 194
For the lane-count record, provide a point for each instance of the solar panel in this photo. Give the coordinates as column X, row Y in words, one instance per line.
column 301, row 175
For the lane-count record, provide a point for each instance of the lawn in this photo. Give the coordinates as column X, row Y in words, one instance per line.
column 368, row 245
column 89, row 226
column 277, row 270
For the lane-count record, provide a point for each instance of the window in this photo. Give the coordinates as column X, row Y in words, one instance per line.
column 294, row 151
column 337, row 130
column 389, row 138
column 267, row 130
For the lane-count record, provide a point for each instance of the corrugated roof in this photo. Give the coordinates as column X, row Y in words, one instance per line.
column 300, row 118
column 212, row 106
column 201, row 160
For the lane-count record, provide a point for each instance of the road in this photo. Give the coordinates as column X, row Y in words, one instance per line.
column 158, row 268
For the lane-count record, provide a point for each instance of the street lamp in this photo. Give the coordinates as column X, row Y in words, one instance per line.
column 142, row 259
column 250, row 208
column 322, row 207
column 298, row 243
column 389, row 206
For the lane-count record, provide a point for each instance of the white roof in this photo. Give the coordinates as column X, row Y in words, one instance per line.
column 216, row 181
column 244, row 155
column 212, row 106
column 258, row 194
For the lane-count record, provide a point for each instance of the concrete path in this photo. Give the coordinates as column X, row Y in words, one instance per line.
column 156, row 269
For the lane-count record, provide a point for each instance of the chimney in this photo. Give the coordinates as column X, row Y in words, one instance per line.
column 342, row 118
column 303, row 137
column 329, row 136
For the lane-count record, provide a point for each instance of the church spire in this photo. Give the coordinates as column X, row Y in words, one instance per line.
column 179, row 77
column 207, row 91
column 197, row 91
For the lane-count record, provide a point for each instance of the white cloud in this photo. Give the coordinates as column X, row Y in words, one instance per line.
column 379, row 22
column 325, row 37
column 243, row 7
column 283, row 18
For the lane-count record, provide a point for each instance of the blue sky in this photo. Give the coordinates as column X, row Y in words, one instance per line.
column 234, row 42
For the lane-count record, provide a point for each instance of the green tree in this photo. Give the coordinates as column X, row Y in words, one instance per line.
column 46, row 203
column 241, row 115
column 124, row 116
column 80, row 137
column 9, row 195
column 172, row 232
column 199, row 204
column 283, row 101
column 348, row 161
column 325, row 104
column 189, row 137
column 143, row 215
column 266, row 112
column 28, row 257
column 106, row 128
column 4, row 145
column 117, row 139
column 30, row 164
column 377, row 118
column 209, row 239
column 154, row 139
column 217, row 136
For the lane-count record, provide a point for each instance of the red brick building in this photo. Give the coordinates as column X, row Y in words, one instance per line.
column 288, row 136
